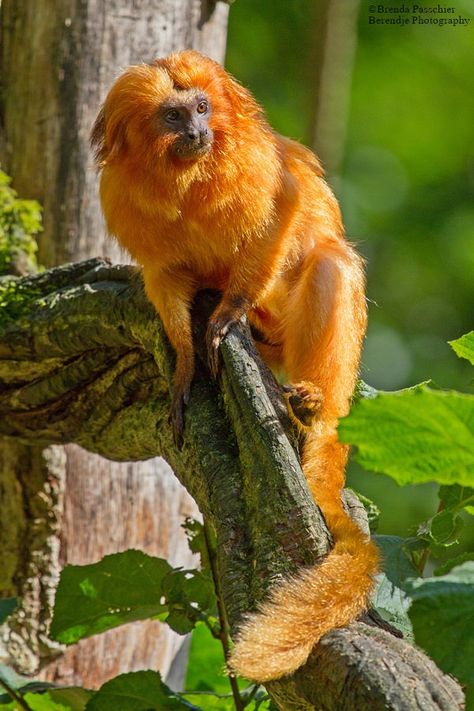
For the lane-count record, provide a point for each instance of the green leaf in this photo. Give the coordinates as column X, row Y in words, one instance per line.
column 125, row 587
column 197, row 541
column 73, row 697
column 45, row 702
column 453, row 563
column 414, row 435
column 397, row 561
column 442, row 614
column 371, row 509
column 179, row 621
column 121, row 588
column 188, row 587
column 7, row 605
column 464, row 346
column 364, row 391
column 390, row 600
column 392, row 604
column 137, row 691
column 189, row 597
column 442, row 529
column 457, row 497
column 40, row 702
column 254, row 699
column 469, row 690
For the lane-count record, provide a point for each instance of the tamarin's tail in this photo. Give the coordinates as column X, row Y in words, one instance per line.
column 278, row 638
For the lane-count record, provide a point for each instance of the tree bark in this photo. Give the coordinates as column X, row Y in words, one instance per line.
column 58, row 60
column 112, row 397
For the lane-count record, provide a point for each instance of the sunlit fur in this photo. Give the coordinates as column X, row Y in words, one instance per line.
column 255, row 219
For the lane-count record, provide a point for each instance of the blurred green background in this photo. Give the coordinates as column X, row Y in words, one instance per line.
column 399, row 108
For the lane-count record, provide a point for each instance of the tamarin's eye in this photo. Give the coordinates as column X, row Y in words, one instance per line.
column 202, row 107
column 172, row 115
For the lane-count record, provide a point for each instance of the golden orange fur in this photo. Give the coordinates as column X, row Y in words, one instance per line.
column 253, row 218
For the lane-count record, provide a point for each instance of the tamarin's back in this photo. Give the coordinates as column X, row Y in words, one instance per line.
column 202, row 193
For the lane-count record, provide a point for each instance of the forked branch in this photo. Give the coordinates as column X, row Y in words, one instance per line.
column 83, row 358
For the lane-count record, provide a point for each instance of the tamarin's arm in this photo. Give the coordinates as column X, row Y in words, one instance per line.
column 251, row 275
column 171, row 293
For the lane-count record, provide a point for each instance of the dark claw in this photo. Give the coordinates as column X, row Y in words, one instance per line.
column 216, row 331
column 213, row 356
column 176, row 416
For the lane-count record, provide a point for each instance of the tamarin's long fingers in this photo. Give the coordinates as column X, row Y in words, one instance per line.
column 305, row 402
column 182, row 380
column 176, row 416
column 216, row 331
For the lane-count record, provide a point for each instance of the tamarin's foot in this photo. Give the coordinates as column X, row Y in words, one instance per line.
column 305, row 401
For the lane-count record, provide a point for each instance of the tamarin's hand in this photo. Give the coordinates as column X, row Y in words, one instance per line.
column 202, row 193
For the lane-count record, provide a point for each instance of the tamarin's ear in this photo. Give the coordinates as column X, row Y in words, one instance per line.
column 107, row 138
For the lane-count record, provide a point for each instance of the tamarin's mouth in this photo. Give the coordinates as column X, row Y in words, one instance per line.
column 191, row 149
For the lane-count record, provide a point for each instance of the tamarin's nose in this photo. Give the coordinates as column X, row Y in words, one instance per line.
column 193, row 134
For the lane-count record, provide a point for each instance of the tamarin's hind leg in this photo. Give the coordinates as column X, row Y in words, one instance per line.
column 325, row 325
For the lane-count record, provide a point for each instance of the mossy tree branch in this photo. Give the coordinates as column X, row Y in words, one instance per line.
column 83, row 358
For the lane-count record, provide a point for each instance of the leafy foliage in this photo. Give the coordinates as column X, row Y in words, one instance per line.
column 372, row 511
column 125, row 587
column 19, row 221
column 120, row 588
column 137, row 691
column 457, row 497
column 38, row 702
column 415, row 435
column 442, row 614
column 397, row 556
column 15, row 299
column 464, row 346
column 129, row 586
column 442, row 529
column 390, row 600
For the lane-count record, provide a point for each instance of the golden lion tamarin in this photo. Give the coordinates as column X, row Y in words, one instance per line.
column 204, row 194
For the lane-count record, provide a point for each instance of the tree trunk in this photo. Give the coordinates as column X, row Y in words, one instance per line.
column 66, row 505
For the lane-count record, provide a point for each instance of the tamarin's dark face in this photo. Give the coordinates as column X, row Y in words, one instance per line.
column 186, row 116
